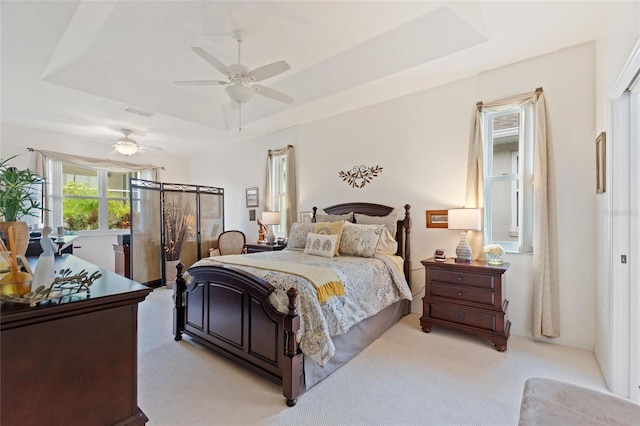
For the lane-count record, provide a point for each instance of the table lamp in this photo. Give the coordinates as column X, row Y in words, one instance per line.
column 464, row 220
column 269, row 219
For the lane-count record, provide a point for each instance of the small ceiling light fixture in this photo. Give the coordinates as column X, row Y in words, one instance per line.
column 126, row 146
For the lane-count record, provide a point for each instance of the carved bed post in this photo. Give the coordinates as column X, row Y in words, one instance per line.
column 407, row 248
column 313, row 218
column 178, row 308
column 292, row 368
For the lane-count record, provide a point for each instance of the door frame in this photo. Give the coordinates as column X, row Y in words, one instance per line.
column 623, row 286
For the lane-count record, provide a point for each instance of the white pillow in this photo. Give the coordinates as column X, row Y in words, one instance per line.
column 387, row 244
column 359, row 240
column 390, row 221
column 321, row 244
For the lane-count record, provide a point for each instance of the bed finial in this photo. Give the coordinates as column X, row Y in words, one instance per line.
column 313, row 218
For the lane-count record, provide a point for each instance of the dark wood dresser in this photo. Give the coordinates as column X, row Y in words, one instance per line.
column 468, row 297
column 74, row 362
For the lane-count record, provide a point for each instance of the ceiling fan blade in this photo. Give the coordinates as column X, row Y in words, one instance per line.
column 272, row 94
column 211, row 60
column 269, row 70
column 150, row 147
column 201, row 83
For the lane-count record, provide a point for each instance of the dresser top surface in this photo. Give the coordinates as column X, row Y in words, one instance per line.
column 473, row 265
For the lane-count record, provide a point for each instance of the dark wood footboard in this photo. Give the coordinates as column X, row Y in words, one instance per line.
column 228, row 311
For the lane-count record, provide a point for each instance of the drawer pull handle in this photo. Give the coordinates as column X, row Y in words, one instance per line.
column 460, row 315
column 459, row 293
column 459, row 278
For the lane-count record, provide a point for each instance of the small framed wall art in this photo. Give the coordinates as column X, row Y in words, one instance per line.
column 252, row 197
column 437, row 218
column 601, row 163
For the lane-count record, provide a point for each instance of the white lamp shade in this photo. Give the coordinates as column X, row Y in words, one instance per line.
column 270, row 218
column 239, row 93
column 465, row 219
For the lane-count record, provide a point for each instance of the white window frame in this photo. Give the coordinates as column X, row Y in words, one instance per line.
column 522, row 180
column 56, row 200
column 278, row 190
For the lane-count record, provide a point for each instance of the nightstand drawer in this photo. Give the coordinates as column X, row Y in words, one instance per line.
column 456, row 314
column 468, row 294
column 462, row 278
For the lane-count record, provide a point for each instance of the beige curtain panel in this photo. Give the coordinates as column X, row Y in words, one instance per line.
column 545, row 281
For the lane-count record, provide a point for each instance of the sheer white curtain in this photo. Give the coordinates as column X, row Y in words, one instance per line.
column 280, row 185
column 545, row 285
column 40, row 161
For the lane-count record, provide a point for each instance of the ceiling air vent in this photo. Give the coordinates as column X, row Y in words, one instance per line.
column 132, row 110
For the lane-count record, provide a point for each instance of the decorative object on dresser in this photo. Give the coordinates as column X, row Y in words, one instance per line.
column 360, row 175
column 464, row 220
column 269, row 219
column 75, row 359
column 467, row 297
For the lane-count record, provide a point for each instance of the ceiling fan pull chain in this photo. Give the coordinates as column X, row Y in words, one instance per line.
column 239, row 118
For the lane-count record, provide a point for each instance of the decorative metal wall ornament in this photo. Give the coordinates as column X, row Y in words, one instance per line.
column 359, row 176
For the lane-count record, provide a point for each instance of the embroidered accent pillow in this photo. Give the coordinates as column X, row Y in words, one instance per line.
column 390, row 221
column 298, row 235
column 330, row 228
column 359, row 240
column 321, row 244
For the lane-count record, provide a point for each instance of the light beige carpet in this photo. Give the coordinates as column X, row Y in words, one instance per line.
column 406, row 377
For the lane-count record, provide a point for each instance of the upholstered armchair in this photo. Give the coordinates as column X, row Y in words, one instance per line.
column 229, row 242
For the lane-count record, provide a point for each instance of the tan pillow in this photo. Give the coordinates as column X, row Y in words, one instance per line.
column 330, row 228
column 321, row 244
column 390, row 221
column 387, row 244
column 321, row 217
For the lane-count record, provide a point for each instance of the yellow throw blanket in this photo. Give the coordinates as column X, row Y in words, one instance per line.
column 325, row 281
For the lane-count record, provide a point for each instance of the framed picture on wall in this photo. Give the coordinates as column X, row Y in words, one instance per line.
column 252, row 197
column 305, row 217
column 437, row 218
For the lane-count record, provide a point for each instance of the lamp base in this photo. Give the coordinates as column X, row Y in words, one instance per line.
column 463, row 251
column 271, row 238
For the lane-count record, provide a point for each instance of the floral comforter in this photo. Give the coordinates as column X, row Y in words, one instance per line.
column 371, row 284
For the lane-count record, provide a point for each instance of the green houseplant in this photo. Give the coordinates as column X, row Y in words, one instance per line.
column 17, row 199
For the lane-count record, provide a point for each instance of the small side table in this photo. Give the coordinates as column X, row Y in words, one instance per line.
column 468, row 297
column 256, row 248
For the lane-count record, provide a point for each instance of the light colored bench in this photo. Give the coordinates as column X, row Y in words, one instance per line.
column 551, row 402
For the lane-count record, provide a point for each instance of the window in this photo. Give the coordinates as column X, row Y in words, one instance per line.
column 278, row 190
column 508, row 136
column 89, row 200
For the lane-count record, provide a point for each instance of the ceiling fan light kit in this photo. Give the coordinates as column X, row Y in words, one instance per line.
column 240, row 88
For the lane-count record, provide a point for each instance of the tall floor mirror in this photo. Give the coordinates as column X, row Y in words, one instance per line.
column 171, row 223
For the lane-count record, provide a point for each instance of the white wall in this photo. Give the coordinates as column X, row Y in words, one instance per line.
column 421, row 142
column 97, row 249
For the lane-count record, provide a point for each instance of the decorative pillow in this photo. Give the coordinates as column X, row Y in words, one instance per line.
column 321, row 244
column 387, row 244
column 321, row 217
column 330, row 228
column 298, row 235
column 390, row 221
column 360, row 240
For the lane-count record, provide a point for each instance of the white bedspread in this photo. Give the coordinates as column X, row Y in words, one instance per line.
column 371, row 284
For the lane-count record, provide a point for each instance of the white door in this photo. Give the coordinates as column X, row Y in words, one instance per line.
column 634, row 243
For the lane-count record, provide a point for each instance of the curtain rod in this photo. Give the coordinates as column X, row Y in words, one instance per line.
column 479, row 103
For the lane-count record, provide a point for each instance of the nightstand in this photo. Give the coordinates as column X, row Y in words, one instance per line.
column 256, row 248
column 467, row 296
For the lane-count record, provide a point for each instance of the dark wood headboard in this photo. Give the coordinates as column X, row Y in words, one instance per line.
column 403, row 230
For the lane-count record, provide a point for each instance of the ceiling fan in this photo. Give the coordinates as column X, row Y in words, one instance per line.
column 240, row 79
column 127, row 146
